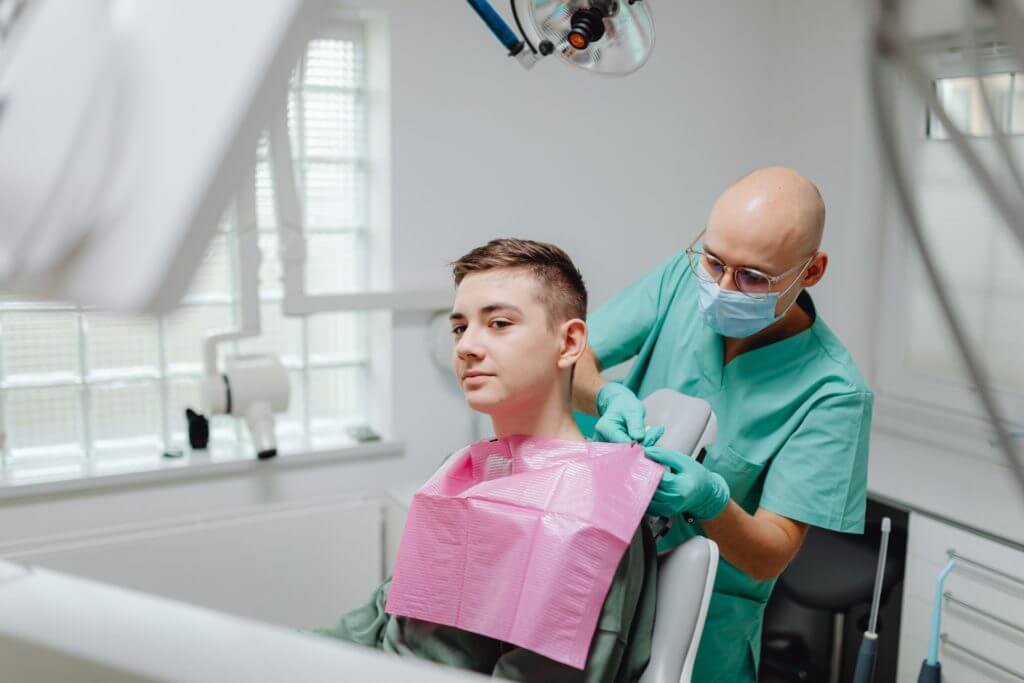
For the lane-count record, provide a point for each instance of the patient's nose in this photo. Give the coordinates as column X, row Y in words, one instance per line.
column 468, row 345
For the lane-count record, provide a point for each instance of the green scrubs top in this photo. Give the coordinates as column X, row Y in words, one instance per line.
column 793, row 424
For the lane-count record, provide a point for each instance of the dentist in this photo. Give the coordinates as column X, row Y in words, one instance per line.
column 729, row 320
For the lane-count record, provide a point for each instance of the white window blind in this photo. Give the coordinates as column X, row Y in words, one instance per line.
column 78, row 385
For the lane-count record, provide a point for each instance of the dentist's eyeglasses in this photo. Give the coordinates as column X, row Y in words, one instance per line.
column 748, row 281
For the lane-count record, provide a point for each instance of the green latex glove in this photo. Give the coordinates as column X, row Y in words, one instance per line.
column 622, row 415
column 652, row 435
column 687, row 486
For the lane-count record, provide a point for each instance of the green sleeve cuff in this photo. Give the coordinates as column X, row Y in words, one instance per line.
column 813, row 517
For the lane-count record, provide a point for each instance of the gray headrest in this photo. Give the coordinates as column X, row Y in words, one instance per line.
column 689, row 422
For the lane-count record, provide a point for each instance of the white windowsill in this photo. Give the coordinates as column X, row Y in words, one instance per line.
column 16, row 481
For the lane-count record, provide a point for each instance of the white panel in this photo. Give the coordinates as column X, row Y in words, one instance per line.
column 333, row 123
column 125, row 416
column 949, row 468
column 926, row 555
column 39, row 343
column 56, row 628
column 287, row 565
column 120, row 344
column 41, row 421
column 335, row 64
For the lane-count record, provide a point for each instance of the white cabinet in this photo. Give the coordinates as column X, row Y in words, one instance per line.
column 983, row 613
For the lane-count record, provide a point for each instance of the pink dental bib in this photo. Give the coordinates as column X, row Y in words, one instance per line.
column 519, row 538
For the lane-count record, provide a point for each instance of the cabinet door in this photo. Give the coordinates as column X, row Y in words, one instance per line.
column 982, row 611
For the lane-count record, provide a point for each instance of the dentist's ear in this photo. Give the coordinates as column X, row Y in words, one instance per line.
column 573, row 342
column 816, row 270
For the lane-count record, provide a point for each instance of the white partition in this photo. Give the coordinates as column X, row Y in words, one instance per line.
column 297, row 565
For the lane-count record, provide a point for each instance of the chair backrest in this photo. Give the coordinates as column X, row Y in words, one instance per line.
column 686, row 575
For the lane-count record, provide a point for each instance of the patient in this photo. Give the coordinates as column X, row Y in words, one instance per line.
column 518, row 326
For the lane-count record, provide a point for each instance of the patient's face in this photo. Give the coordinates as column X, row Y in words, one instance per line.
column 505, row 354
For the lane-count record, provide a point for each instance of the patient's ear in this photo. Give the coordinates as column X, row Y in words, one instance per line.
column 573, row 340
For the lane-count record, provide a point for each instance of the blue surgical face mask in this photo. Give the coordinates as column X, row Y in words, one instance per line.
column 734, row 314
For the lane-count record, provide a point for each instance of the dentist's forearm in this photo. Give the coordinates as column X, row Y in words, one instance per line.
column 759, row 545
column 586, row 382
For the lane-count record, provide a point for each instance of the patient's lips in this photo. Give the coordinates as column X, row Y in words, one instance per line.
column 475, row 376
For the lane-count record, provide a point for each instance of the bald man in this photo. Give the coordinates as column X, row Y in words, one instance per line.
column 729, row 320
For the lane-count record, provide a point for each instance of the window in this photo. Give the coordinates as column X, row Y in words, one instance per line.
column 980, row 260
column 80, row 386
column 962, row 97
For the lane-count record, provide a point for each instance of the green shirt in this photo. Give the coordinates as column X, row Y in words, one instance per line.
column 618, row 653
column 794, row 419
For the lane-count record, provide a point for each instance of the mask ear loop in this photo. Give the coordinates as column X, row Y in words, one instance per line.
column 791, row 285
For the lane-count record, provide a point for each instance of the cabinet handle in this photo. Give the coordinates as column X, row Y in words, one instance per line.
column 985, row 613
column 953, row 554
column 949, row 642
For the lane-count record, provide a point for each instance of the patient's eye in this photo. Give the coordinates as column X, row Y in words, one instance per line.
column 458, row 329
column 501, row 324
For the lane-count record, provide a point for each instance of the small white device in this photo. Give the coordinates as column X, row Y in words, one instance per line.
column 252, row 387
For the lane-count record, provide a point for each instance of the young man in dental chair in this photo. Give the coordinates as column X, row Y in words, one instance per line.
column 518, row 327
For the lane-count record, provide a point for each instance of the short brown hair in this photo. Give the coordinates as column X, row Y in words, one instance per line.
column 564, row 293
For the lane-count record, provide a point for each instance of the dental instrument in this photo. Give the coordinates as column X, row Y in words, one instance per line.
column 868, row 654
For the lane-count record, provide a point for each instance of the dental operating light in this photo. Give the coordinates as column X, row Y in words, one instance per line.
column 612, row 37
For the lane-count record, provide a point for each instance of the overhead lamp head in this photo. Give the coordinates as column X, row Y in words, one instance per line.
column 613, row 37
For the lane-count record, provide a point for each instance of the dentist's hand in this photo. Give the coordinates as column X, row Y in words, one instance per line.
column 686, row 486
column 622, row 415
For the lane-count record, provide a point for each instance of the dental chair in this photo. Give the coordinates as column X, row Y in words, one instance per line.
column 686, row 574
